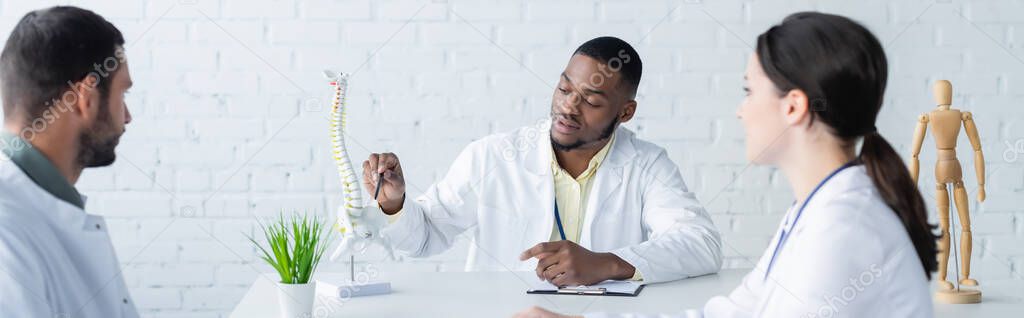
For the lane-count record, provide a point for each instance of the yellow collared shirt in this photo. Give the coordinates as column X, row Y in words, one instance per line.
column 571, row 194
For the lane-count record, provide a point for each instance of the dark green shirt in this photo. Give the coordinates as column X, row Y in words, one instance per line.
column 39, row 169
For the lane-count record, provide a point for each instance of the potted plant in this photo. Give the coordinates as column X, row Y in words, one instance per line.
column 293, row 248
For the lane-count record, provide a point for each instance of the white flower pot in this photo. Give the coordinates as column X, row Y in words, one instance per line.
column 296, row 300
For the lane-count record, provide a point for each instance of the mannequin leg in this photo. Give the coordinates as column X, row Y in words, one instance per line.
column 942, row 199
column 960, row 196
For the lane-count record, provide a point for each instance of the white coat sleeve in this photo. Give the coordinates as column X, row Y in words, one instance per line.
column 22, row 287
column 744, row 300
column 739, row 303
column 429, row 224
column 683, row 242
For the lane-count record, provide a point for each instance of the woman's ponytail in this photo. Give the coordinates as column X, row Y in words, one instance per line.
column 898, row 190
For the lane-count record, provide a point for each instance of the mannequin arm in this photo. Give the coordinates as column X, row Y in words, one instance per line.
column 919, row 131
column 979, row 158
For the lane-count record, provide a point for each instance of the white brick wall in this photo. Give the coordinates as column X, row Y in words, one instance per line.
column 223, row 129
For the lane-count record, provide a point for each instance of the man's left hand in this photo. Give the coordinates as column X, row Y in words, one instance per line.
column 563, row 263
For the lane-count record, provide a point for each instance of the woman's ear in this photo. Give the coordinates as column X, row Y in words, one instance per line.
column 795, row 107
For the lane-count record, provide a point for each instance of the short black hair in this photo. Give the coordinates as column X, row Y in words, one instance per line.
column 618, row 55
column 50, row 49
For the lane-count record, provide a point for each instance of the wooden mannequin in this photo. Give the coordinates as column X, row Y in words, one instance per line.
column 945, row 123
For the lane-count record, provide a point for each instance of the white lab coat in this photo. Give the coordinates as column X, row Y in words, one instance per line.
column 55, row 259
column 848, row 256
column 501, row 188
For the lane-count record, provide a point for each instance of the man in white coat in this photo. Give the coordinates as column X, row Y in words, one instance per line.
column 64, row 77
column 577, row 199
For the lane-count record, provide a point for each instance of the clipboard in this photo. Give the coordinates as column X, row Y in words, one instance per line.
column 607, row 288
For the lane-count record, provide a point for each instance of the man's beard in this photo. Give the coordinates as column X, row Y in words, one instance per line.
column 96, row 145
column 605, row 134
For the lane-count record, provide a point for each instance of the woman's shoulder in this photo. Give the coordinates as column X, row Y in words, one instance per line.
column 855, row 202
column 861, row 211
column 859, row 220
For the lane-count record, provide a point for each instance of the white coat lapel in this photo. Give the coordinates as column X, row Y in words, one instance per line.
column 538, row 169
column 608, row 180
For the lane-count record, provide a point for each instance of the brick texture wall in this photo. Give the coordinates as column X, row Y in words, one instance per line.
column 229, row 122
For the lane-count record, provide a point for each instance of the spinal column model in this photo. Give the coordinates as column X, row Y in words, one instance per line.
column 359, row 225
column 945, row 123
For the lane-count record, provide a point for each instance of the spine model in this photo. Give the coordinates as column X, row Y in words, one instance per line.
column 360, row 225
column 352, row 199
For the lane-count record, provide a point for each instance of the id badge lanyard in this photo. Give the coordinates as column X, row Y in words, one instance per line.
column 558, row 221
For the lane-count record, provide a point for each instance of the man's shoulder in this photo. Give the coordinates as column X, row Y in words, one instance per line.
column 514, row 140
column 15, row 220
column 19, row 215
column 22, row 253
column 646, row 152
column 642, row 146
column 531, row 133
column 17, row 232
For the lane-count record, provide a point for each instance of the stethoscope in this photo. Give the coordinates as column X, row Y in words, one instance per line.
column 558, row 221
column 783, row 236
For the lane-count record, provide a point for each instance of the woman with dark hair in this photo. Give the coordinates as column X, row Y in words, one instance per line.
column 856, row 242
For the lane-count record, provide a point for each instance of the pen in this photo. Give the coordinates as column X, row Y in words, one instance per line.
column 380, row 181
